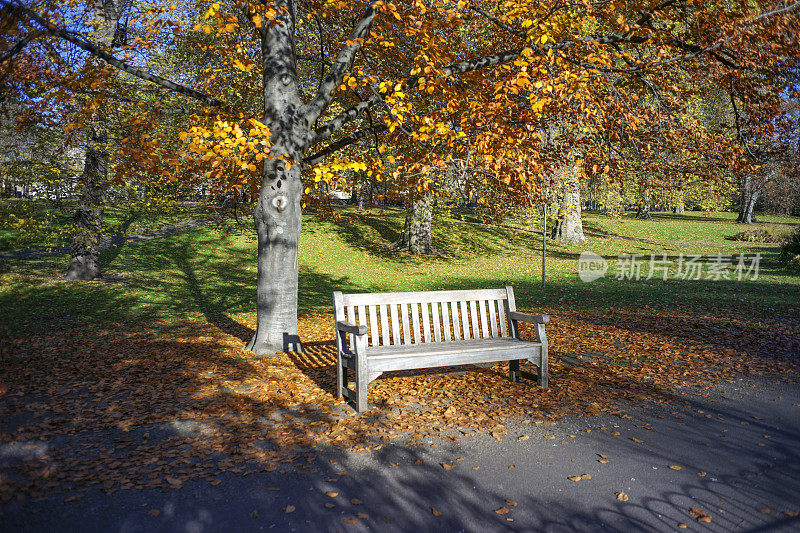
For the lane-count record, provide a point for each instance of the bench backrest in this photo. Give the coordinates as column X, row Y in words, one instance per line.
column 436, row 316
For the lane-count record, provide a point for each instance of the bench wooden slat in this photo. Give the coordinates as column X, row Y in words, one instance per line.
column 501, row 312
column 395, row 324
column 418, row 297
column 406, row 328
column 426, row 329
column 415, row 322
column 362, row 316
column 484, row 320
column 476, row 334
column 374, row 336
column 351, row 317
column 437, row 326
column 384, row 312
column 455, row 323
column 493, row 317
column 446, row 321
column 464, row 319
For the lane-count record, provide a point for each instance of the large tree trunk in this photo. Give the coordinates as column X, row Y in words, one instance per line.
column 569, row 227
column 88, row 217
column 417, row 237
column 278, row 213
column 83, row 261
column 748, row 201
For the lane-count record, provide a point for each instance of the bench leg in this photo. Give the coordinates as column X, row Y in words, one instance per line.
column 341, row 376
column 362, row 383
column 513, row 372
column 543, row 370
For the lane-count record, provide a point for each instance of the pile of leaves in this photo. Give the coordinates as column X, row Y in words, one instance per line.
column 755, row 235
column 154, row 405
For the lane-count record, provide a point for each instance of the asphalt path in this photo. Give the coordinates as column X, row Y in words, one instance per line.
column 731, row 455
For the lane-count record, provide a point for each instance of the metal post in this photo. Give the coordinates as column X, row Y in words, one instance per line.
column 544, row 238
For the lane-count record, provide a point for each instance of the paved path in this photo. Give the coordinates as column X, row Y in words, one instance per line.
column 738, row 450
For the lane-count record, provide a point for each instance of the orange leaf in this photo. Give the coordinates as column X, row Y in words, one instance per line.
column 436, row 512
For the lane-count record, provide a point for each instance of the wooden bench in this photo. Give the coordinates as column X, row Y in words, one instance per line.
column 379, row 332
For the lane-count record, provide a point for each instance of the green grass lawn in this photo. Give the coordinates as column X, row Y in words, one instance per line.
column 48, row 224
column 691, row 227
column 209, row 274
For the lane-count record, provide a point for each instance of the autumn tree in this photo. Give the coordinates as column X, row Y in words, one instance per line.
column 286, row 85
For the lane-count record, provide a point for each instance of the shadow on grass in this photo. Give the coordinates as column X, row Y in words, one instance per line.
column 132, row 401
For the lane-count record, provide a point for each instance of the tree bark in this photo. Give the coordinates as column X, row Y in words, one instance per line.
column 88, row 216
column 278, row 213
column 569, row 227
column 417, row 236
column 748, row 201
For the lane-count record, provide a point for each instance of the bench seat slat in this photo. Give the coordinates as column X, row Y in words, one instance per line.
column 431, row 355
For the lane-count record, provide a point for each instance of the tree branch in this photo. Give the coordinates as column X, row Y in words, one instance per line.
column 343, row 142
column 97, row 51
column 340, row 67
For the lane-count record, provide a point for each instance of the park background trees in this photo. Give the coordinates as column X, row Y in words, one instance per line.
column 268, row 99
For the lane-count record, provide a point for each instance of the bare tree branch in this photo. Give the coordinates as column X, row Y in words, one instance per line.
column 339, row 68
column 97, row 51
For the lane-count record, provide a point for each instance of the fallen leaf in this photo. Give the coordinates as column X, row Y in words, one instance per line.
column 288, row 509
column 586, row 476
column 154, row 512
column 622, row 497
column 475, row 467
column 350, row 520
column 447, row 466
column 682, row 525
column 676, row 467
column 362, row 515
column 523, row 437
column 330, row 505
column 574, row 478
column 215, row 482
column 502, row 510
column 602, row 456
column 436, row 512
column 634, row 439
column 603, row 461
column 174, row 482
column 764, row 510
column 511, row 467
column 791, row 513
column 701, row 474
column 331, row 494
column 549, row 436
column 418, row 462
column 699, row 514
column 615, row 433
column 512, row 503
column 355, row 501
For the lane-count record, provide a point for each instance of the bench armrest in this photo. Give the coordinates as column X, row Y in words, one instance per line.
column 524, row 317
column 348, row 327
